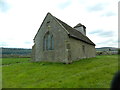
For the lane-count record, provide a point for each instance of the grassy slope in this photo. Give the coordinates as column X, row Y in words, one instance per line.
column 7, row 61
column 86, row 73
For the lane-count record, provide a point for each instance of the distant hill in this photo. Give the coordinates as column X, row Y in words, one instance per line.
column 16, row 52
column 107, row 49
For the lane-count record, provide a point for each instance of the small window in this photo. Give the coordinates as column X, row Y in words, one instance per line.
column 47, row 23
column 83, row 47
column 48, row 41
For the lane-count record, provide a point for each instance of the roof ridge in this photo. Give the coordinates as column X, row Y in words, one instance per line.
column 62, row 21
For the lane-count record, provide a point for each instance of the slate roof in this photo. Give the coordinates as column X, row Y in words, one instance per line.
column 74, row 33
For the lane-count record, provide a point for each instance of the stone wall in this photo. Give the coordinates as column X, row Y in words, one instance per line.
column 33, row 53
column 59, row 54
column 77, row 50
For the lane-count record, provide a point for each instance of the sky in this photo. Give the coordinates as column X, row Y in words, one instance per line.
column 21, row 19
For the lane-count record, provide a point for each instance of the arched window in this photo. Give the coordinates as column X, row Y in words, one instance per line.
column 48, row 41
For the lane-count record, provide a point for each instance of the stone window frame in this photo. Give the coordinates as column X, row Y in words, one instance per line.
column 48, row 41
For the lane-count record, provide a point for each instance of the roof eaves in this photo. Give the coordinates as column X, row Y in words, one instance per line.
column 73, row 36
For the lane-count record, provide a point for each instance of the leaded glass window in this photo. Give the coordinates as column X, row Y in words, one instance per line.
column 48, row 41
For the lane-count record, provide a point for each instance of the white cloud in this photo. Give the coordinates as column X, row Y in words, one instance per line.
column 20, row 23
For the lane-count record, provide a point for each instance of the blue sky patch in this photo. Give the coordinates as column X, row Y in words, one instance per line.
column 4, row 7
column 95, row 32
column 2, row 44
column 97, row 7
column 108, row 14
column 65, row 4
column 102, row 33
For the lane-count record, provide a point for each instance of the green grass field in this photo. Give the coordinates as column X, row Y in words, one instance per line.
column 7, row 61
column 87, row 73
